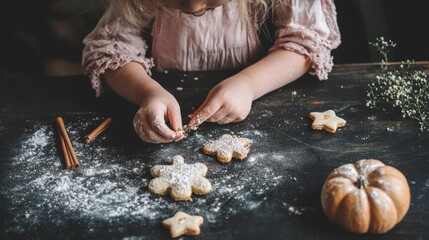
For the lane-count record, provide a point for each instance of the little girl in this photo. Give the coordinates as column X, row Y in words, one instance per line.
column 195, row 35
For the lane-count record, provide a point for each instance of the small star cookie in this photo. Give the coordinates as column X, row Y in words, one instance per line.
column 179, row 179
column 326, row 120
column 227, row 147
column 183, row 224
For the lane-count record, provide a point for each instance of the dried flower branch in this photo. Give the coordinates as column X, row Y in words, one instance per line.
column 403, row 89
column 383, row 48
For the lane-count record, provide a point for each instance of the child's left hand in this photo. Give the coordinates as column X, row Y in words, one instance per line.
column 229, row 101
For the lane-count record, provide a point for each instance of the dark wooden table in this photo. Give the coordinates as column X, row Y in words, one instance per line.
column 273, row 194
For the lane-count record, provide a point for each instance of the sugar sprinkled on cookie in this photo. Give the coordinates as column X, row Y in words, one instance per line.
column 183, row 224
column 326, row 120
column 227, row 147
column 179, row 179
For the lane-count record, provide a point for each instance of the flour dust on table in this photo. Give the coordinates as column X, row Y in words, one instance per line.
column 109, row 186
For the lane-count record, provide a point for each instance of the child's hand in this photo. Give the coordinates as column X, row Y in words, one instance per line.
column 229, row 101
column 149, row 121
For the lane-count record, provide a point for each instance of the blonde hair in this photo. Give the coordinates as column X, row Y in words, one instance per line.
column 135, row 12
column 141, row 12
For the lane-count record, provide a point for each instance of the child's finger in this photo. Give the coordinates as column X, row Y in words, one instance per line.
column 156, row 127
column 175, row 118
column 157, row 124
column 144, row 131
column 204, row 112
column 220, row 114
column 227, row 119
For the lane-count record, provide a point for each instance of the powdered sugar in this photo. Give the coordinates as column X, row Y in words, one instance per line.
column 39, row 139
column 111, row 185
column 227, row 147
column 181, row 178
column 227, row 143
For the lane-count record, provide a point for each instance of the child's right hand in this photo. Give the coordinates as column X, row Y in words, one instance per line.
column 149, row 122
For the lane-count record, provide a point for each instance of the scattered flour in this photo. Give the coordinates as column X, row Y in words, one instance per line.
column 296, row 211
column 109, row 185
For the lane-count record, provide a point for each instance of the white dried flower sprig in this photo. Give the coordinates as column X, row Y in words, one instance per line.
column 403, row 89
column 383, row 47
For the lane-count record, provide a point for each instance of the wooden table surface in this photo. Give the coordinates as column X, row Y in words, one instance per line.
column 272, row 194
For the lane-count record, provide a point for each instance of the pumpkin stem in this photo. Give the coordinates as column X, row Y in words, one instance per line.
column 361, row 182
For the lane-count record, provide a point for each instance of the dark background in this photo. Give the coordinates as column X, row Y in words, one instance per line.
column 45, row 37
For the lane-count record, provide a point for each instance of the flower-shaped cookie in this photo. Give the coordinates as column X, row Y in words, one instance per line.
column 326, row 120
column 180, row 179
column 183, row 224
column 227, row 147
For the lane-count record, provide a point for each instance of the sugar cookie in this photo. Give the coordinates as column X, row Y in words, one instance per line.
column 179, row 179
column 326, row 120
column 183, row 224
column 227, row 147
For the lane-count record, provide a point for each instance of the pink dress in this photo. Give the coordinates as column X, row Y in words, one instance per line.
column 217, row 40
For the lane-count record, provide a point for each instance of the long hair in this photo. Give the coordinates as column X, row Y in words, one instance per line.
column 141, row 12
column 138, row 13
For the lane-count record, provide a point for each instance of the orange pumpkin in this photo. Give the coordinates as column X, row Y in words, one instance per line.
column 366, row 196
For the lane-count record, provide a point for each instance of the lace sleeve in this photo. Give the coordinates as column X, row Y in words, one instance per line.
column 111, row 45
column 308, row 28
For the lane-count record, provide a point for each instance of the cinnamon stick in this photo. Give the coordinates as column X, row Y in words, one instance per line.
column 66, row 153
column 73, row 159
column 103, row 126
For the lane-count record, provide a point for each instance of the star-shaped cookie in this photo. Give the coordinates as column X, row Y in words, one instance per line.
column 326, row 120
column 179, row 179
column 227, row 147
column 183, row 224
